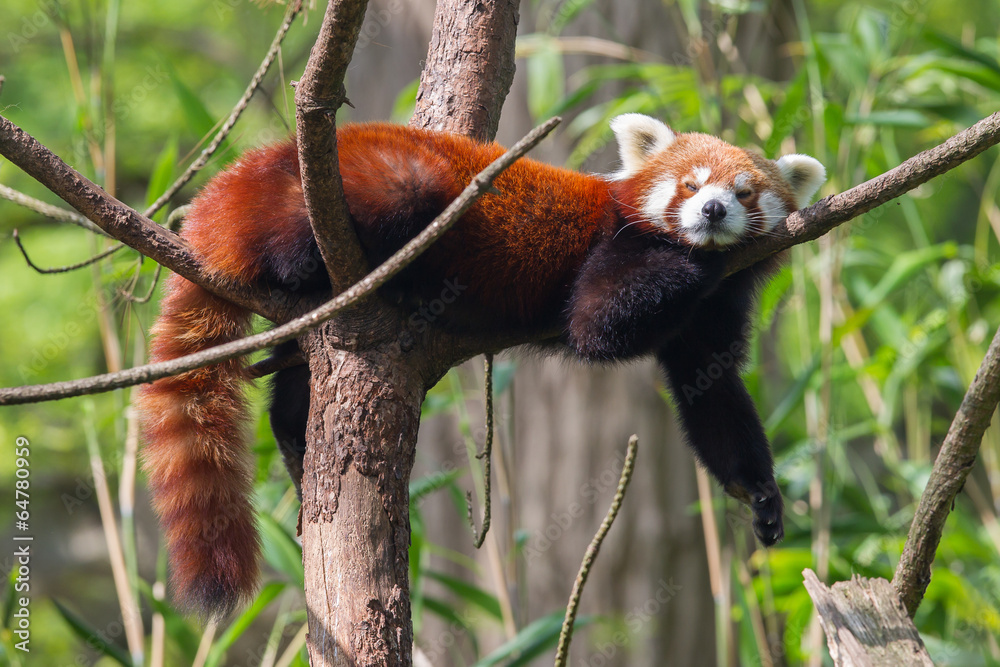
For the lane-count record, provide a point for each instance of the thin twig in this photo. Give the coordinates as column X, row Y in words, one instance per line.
column 293, row 10
column 566, row 634
column 64, row 269
column 952, row 466
column 174, row 221
column 486, row 456
column 48, row 210
column 296, row 327
column 122, row 222
column 129, row 295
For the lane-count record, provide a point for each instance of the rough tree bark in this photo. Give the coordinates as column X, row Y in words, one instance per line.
column 866, row 624
column 469, row 69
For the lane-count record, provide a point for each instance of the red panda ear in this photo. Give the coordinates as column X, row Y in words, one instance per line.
column 803, row 174
column 639, row 137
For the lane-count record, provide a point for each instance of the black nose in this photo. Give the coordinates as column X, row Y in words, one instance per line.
column 714, row 210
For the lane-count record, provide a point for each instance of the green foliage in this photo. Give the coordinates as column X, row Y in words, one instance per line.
column 858, row 409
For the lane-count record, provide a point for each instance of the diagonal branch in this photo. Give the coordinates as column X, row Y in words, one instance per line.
column 119, row 220
column 295, row 328
column 317, row 97
column 815, row 221
column 952, row 466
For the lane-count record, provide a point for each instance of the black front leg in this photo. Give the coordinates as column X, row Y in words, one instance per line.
column 633, row 293
column 703, row 367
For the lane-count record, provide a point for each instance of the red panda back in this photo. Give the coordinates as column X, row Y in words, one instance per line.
column 514, row 251
column 512, row 255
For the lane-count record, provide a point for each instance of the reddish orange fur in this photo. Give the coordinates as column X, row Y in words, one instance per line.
column 516, row 251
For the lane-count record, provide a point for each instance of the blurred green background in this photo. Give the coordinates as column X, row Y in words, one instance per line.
column 867, row 340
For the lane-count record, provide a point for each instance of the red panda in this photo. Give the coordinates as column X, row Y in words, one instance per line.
column 624, row 265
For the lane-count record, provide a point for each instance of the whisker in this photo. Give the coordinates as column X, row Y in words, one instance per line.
column 623, row 228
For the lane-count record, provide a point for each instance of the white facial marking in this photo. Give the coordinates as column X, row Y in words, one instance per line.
column 700, row 231
column 701, row 175
column 772, row 211
column 654, row 206
column 741, row 182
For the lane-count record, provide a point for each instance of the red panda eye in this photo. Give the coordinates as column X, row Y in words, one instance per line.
column 692, row 187
column 743, row 194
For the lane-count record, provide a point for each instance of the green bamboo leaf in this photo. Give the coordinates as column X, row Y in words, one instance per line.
column 792, row 399
column 242, row 622
column 162, row 176
column 533, row 639
column 419, row 488
column 470, row 593
column 956, row 48
column 567, row 11
column 281, row 549
column 893, row 117
column 199, row 119
column 546, row 78
column 406, row 102
column 91, row 636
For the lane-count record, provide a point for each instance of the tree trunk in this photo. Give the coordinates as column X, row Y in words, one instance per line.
column 470, row 66
column 365, row 400
column 365, row 410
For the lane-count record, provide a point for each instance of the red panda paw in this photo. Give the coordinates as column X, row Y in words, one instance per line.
column 767, row 506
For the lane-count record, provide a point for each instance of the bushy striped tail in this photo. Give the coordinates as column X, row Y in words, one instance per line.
column 199, row 466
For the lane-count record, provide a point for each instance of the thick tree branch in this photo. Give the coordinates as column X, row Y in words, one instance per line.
column 812, row 222
column 118, row 220
column 952, row 466
column 470, row 66
column 317, row 97
column 295, row 328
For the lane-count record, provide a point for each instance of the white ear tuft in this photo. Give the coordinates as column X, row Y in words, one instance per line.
column 804, row 174
column 639, row 137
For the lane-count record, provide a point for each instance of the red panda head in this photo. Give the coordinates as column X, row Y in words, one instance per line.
column 700, row 190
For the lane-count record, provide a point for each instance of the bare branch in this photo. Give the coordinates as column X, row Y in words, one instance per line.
column 812, row 222
column 293, row 10
column 296, row 327
column 49, row 211
column 118, row 220
column 317, row 97
column 64, row 269
column 952, row 466
column 566, row 634
column 487, row 457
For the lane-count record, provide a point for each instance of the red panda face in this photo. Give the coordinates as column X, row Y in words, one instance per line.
column 700, row 190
